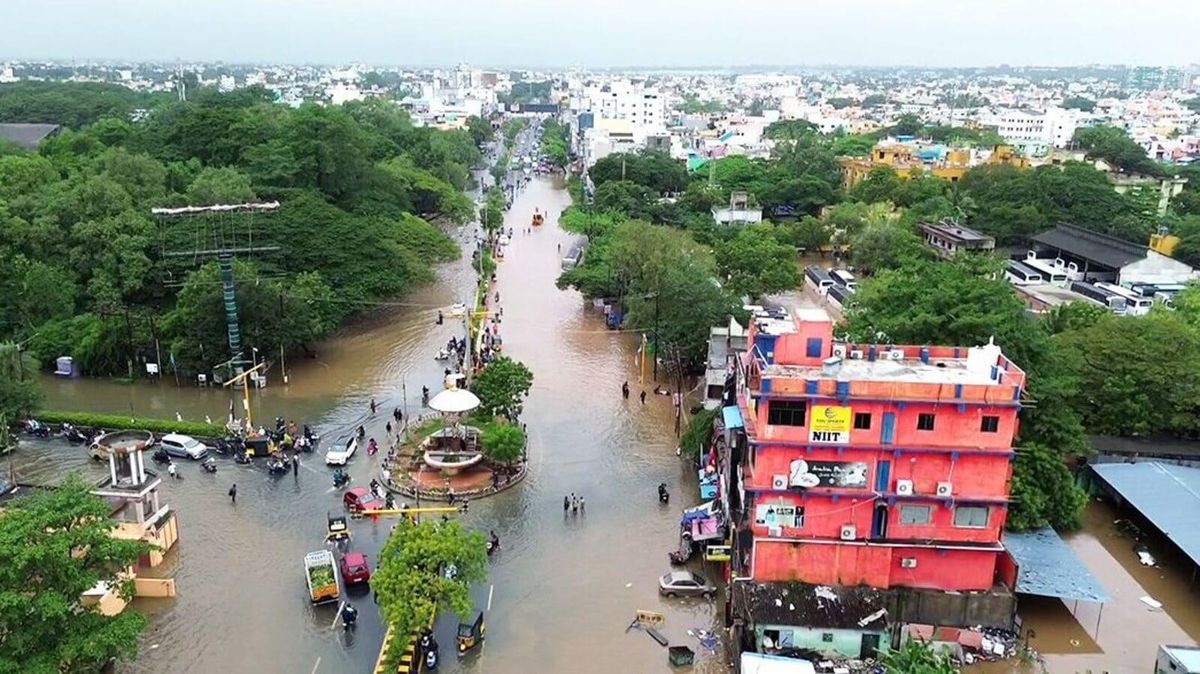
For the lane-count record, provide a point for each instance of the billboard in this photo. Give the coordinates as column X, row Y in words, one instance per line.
column 837, row 474
column 830, row 424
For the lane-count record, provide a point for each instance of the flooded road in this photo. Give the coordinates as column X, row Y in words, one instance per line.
column 563, row 589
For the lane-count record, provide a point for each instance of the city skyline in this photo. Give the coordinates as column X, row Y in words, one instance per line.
column 507, row 33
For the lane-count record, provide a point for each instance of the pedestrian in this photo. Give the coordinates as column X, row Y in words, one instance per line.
column 372, row 406
column 625, row 390
column 388, row 426
column 171, row 470
column 643, row 397
column 582, row 503
column 296, row 464
column 574, row 504
column 233, row 493
column 566, row 504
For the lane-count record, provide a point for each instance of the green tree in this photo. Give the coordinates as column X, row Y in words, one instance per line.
column 426, row 567
column 1115, row 147
column 809, row 234
column 480, row 129
column 698, row 436
column 1044, row 492
column 655, row 171
column 46, row 627
column 1079, row 103
column 491, row 214
column 19, row 395
column 916, row 657
column 220, row 186
column 756, row 263
column 503, row 443
column 502, row 387
column 1127, row 387
column 789, row 129
column 853, row 146
column 884, row 246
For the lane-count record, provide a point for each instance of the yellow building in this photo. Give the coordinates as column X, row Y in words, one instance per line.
column 901, row 159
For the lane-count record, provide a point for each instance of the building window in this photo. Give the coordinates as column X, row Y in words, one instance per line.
column 971, row 517
column 862, row 421
column 815, row 347
column 786, row 412
column 925, row 422
column 915, row 514
column 990, row 424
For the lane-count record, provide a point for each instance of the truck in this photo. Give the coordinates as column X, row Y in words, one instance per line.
column 320, row 572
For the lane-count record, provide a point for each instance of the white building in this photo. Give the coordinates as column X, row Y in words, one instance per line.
column 1037, row 132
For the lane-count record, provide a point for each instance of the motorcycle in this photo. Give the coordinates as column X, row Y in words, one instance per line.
column 664, row 496
column 340, row 479
column 37, row 428
column 73, row 434
column 160, row 456
column 278, row 466
column 209, row 465
column 493, row 544
column 349, row 617
column 242, row 458
column 429, row 646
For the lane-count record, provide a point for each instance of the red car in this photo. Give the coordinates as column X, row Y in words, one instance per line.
column 355, row 569
column 357, row 499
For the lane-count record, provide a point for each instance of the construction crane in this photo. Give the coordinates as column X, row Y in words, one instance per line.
column 240, row 380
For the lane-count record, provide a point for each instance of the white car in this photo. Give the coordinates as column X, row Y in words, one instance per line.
column 183, row 446
column 339, row 457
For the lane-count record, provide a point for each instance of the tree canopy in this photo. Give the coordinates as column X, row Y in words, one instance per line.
column 44, row 626
column 502, row 387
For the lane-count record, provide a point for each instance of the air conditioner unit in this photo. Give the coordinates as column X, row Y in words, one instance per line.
column 856, row 354
column 945, row 488
column 908, row 562
column 904, row 487
column 779, row 482
column 775, row 532
column 848, row 532
column 839, row 350
column 895, row 354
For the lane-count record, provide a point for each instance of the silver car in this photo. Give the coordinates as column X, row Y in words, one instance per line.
column 183, row 446
column 685, row 584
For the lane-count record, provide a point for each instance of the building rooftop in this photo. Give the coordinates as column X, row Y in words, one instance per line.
column 1047, row 567
column 956, row 232
column 1188, row 656
column 1092, row 246
column 976, row 370
column 27, row 136
column 1165, row 494
column 772, row 320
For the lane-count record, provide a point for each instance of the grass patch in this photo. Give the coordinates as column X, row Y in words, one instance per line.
column 123, row 422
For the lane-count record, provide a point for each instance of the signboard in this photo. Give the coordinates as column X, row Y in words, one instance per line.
column 838, row 474
column 649, row 618
column 830, row 424
column 775, row 515
column 717, row 553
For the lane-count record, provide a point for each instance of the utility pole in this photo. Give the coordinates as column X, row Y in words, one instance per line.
column 655, row 338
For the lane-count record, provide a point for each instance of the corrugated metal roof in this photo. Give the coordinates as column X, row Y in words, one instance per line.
column 1166, row 494
column 1093, row 246
column 27, row 136
column 1047, row 567
column 732, row 417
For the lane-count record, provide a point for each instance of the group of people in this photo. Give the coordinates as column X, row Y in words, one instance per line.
column 573, row 504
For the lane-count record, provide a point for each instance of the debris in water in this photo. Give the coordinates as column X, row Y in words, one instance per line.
column 1146, row 558
column 1151, row 602
column 824, row 592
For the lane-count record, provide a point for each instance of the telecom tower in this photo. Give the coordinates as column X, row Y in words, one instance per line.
column 222, row 231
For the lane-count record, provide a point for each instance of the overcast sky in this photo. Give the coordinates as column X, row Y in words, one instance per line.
column 608, row 32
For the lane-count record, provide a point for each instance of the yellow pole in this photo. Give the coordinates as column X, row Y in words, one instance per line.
column 246, row 402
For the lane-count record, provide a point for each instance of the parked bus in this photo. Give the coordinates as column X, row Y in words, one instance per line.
column 1111, row 301
column 1053, row 271
column 843, row 278
column 818, row 278
column 1022, row 274
column 1135, row 304
column 839, row 296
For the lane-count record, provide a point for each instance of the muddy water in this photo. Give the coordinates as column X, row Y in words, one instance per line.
column 562, row 589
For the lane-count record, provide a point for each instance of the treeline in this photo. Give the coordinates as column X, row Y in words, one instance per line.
column 87, row 271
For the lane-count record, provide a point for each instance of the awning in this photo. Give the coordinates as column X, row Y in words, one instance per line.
column 733, row 417
column 706, row 529
column 1047, row 567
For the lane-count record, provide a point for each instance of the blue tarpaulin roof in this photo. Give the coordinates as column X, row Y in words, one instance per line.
column 732, row 416
column 1047, row 567
column 1166, row 494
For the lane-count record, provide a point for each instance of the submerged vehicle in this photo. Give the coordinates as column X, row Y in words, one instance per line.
column 336, row 529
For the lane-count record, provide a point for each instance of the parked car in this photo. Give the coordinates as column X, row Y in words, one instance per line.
column 97, row 452
column 355, row 569
column 340, row 455
column 183, row 446
column 685, row 584
column 357, row 499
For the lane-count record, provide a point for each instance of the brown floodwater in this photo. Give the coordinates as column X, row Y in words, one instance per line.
column 562, row 589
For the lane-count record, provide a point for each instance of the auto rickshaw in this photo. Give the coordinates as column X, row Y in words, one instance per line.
column 337, row 531
column 470, row 635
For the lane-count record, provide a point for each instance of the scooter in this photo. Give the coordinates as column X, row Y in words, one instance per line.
column 349, row 617
column 242, row 458
column 209, row 465
column 37, row 428
column 664, row 496
column 340, row 479
column 277, row 465
column 73, row 435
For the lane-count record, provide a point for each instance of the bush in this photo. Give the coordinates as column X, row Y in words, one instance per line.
column 699, row 433
column 122, row 422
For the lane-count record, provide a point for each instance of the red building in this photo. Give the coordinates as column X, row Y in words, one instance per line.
column 865, row 464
